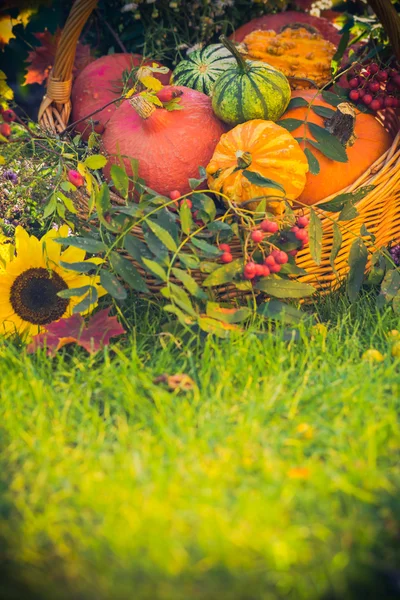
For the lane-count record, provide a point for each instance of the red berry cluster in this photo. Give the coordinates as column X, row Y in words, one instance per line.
column 376, row 87
column 174, row 195
column 272, row 263
column 8, row 117
column 227, row 254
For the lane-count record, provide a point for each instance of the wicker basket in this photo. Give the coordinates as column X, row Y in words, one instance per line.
column 379, row 211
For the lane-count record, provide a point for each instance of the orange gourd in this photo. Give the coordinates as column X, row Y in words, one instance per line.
column 264, row 148
column 298, row 53
column 367, row 141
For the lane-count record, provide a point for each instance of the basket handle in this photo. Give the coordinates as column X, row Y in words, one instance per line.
column 390, row 19
column 55, row 108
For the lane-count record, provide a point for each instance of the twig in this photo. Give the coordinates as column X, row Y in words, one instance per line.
column 111, row 30
column 90, row 115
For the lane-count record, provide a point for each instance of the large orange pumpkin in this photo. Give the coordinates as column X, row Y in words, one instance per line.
column 369, row 142
column 260, row 147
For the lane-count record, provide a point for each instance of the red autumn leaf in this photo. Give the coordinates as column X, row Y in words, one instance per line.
column 72, row 330
column 41, row 59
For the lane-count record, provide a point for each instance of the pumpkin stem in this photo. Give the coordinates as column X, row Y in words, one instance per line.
column 143, row 107
column 342, row 124
column 243, row 65
column 244, row 159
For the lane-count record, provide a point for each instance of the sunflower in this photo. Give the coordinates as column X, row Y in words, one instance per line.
column 31, row 280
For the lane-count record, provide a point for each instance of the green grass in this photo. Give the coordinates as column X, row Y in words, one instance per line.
column 115, row 488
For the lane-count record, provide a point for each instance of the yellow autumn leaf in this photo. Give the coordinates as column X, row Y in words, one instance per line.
column 2, row 160
column 89, row 183
column 152, row 98
column 6, row 92
column 81, row 169
column 25, row 15
column 6, row 30
column 130, row 92
column 151, row 83
column 3, row 140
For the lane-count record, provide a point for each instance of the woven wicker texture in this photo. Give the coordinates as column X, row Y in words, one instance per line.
column 379, row 211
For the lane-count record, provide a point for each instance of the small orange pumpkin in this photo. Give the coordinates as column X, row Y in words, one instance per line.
column 366, row 141
column 262, row 147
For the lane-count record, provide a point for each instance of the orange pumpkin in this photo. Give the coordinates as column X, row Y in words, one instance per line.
column 365, row 144
column 264, row 148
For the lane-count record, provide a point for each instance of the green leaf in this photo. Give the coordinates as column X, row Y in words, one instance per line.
column 348, row 212
column 337, row 203
column 103, row 204
column 69, row 205
column 323, row 111
column 285, row 288
column 125, row 269
column 120, row 180
column 190, row 283
column 292, row 269
column 189, row 261
column 79, row 267
column 61, row 210
column 224, row 274
column 50, row 206
column 205, row 247
column 257, row 179
column 208, row 267
column 227, row 315
column 365, row 233
column 396, row 303
column 327, row 143
column 216, row 327
column 185, row 215
column 180, row 297
column 337, row 58
column 87, row 301
column 154, row 244
column 331, row 99
column 357, row 261
column 96, row 161
column 163, row 235
column 136, row 248
column 391, row 284
column 112, row 285
column 67, row 186
column 155, row 268
column 279, row 311
column 313, row 163
column 336, row 245
column 84, row 243
column 220, row 226
column 315, row 233
column 297, row 103
column 207, row 205
column 73, row 292
column 183, row 318
column 290, row 124
column 167, row 220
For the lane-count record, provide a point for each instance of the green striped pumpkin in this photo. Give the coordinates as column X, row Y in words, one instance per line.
column 249, row 90
column 201, row 68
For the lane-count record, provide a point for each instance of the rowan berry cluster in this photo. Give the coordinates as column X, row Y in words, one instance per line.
column 378, row 88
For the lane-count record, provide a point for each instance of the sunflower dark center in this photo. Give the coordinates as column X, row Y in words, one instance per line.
column 34, row 297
